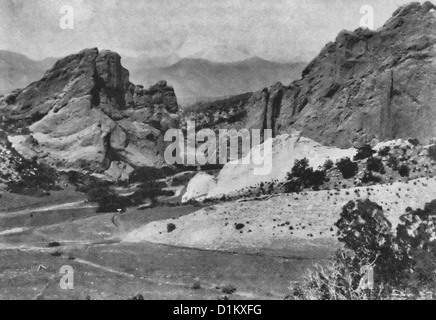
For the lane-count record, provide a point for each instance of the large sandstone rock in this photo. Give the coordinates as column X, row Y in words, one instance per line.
column 84, row 114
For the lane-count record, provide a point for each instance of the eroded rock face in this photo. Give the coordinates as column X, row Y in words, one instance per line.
column 85, row 114
column 366, row 85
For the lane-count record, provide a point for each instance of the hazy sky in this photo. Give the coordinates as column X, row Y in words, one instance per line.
column 281, row 30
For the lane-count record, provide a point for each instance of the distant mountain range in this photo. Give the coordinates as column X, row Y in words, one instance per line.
column 193, row 79
column 199, row 79
column 18, row 71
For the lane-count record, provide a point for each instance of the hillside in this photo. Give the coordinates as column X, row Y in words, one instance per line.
column 266, row 217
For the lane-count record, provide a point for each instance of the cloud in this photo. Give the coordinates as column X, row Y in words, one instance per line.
column 273, row 29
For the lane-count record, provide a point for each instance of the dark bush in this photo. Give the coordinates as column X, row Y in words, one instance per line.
column 375, row 165
column 414, row 142
column 239, row 226
column 404, row 170
column 171, row 227
column 228, row 289
column 432, row 152
column 364, row 152
column 348, row 168
column 384, row 152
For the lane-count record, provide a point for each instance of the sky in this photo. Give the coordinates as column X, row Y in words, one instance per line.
column 220, row 30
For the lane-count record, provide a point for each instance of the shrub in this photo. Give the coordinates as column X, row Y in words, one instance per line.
column 348, row 168
column 196, row 286
column 171, row 227
column 239, row 226
column 228, row 289
column 384, row 152
column 414, row 142
column 432, row 152
column 364, row 152
column 404, row 170
column 375, row 165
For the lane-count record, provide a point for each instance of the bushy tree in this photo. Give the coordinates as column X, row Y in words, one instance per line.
column 302, row 176
column 347, row 167
column 364, row 152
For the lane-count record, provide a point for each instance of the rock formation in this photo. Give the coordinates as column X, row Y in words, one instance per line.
column 365, row 86
column 85, row 114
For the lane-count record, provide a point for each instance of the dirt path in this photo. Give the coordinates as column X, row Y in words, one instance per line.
column 64, row 206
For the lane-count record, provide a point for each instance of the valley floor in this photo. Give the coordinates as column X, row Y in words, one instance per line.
column 106, row 268
column 258, row 246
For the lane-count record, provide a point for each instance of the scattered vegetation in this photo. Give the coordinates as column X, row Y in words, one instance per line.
column 228, row 289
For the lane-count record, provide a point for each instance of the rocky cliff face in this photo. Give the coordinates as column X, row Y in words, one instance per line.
column 85, row 114
column 365, row 86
